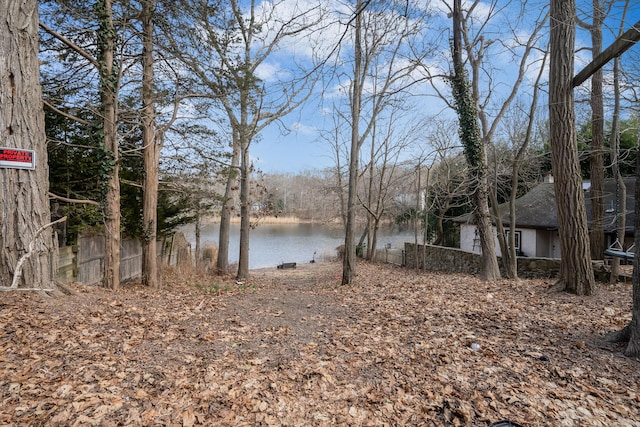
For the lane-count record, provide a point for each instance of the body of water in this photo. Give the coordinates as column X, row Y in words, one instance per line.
column 273, row 244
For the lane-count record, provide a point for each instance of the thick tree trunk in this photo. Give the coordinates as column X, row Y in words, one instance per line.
column 108, row 95
column 24, row 205
column 576, row 271
column 150, row 271
column 489, row 269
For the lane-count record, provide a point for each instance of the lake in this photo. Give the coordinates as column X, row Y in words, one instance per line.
column 273, row 244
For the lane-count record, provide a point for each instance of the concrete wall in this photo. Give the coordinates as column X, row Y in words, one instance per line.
column 439, row 258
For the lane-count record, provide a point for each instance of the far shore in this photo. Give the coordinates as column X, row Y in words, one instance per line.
column 269, row 220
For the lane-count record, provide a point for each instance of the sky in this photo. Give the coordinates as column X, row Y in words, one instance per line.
column 296, row 145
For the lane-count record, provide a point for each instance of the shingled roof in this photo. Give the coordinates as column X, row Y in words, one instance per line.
column 537, row 209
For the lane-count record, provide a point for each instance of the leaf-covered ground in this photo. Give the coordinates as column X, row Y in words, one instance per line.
column 294, row 348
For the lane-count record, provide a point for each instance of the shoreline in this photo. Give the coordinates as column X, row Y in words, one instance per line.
column 271, row 220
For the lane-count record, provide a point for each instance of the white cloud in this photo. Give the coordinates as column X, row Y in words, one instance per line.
column 272, row 72
column 303, row 129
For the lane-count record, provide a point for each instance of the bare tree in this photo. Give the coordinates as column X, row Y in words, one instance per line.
column 389, row 139
column 474, row 148
column 225, row 57
column 614, row 145
column 380, row 37
column 490, row 92
column 520, row 137
column 23, row 192
column 449, row 178
column 599, row 11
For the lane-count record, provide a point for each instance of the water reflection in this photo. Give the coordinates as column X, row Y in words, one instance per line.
column 273, row 244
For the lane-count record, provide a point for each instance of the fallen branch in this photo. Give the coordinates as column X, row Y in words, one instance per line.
column 32, row 244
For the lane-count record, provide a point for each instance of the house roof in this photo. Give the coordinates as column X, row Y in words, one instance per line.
column 538, row 208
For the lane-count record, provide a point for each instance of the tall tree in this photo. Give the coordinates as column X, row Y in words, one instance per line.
column 576, row 271
column 599, row 12
column 383, row 36
column 475, row 150
column 614, row 146
column 520, row 137
column 109, row 85
column 23, row 193
column 349, row 258
column 151, row 151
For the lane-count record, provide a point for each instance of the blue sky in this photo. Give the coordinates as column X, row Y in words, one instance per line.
column 301, row 147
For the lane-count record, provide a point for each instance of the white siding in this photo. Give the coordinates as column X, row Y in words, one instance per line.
column 534, row 243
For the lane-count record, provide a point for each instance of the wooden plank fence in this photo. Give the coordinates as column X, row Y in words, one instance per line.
column 84, row 262
column 90, row 259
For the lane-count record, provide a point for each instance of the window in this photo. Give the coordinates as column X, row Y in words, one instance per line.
column 518, row 235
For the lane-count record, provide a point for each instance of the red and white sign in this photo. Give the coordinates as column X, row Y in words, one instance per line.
column 16, row 158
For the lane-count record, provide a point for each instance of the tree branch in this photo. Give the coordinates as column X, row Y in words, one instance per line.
column 62, row 113
column 71, row 45
column 18, row 272
column 64, row 199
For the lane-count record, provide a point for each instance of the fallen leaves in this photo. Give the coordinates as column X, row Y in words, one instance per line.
column 398, row 348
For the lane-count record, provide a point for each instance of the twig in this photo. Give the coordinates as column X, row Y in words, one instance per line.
column 18, row 272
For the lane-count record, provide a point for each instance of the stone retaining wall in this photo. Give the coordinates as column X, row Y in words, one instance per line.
column 440, row 258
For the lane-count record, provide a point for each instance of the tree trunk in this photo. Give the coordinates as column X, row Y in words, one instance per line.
column 614, row 145
column 222, row 264
column 576, row 271
column 245, row 212
column 24, row 204
column 489, row 270
column 108, row 96
column 508, row 263
column 150, row 271
column 370, row 185
column 597, row 140
column 349, row 259
column 198, row 234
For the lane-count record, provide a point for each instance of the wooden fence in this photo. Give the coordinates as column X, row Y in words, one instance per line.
column 84, row 262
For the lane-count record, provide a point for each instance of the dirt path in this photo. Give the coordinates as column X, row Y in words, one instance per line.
column 293, row 348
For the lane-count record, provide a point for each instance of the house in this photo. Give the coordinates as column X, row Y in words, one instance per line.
column 537, row 220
